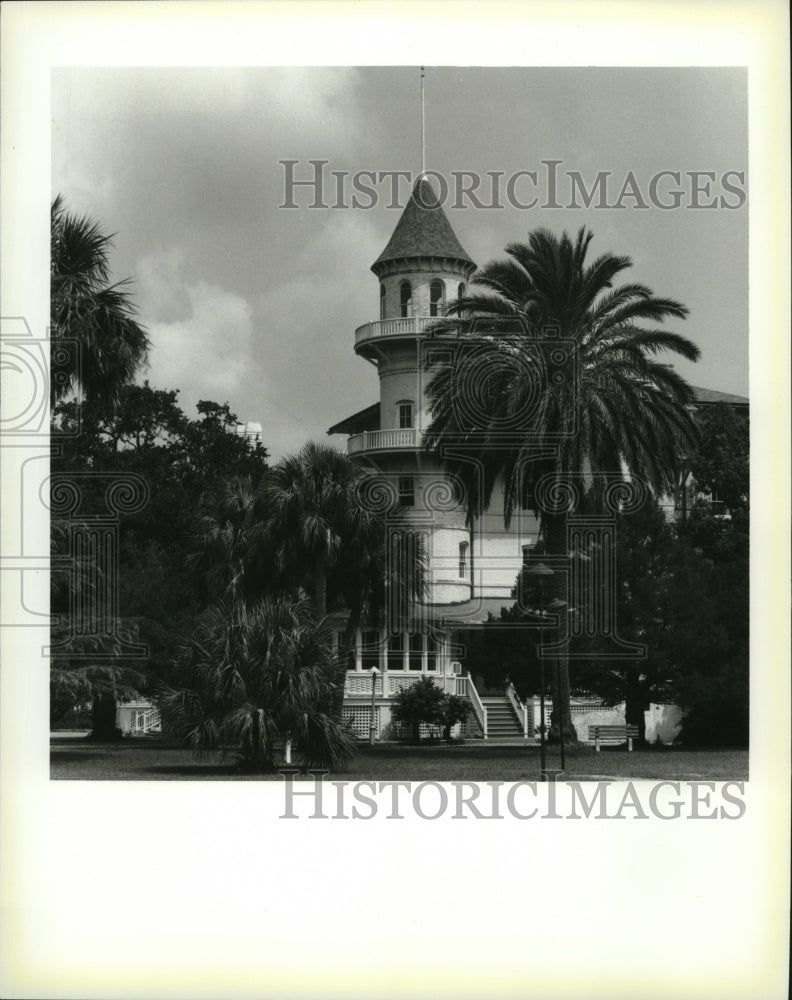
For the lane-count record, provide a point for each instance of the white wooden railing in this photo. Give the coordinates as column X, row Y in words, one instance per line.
column 409, row 326
column 519, row 707
column 478, row 707
column 145, row 720
column 405, row 437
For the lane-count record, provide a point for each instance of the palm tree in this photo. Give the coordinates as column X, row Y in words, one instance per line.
column 308, row 505
column 85, row 308
column 229, row 537
column 320, row 528
column 253, row 675
column 556, row 379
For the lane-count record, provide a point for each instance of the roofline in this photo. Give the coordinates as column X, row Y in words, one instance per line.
column 366, row 411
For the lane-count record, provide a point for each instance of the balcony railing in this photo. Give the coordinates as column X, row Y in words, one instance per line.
column 409, row 326
column 407, row 437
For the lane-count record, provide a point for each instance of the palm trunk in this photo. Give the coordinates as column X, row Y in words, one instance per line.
column 103, row 717
column 635, row 704
column 261, row 755
column 555, row 532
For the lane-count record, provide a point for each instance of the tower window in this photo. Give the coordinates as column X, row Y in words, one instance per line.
column 461, row 290
column 382, row 302
column 406, row 491
column 405, row 414
column 405, row 299
column 436, row 298
column 463, row 559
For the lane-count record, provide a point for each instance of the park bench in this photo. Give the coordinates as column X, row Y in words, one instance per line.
column 613, row 734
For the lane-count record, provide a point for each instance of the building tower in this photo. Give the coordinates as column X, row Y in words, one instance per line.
column 472, row 568
column 422, row 268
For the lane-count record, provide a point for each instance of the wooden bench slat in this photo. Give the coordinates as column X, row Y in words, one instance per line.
column 613, row 733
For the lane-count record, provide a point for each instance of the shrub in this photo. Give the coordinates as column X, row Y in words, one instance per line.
column 425, row 702
column 455, row 710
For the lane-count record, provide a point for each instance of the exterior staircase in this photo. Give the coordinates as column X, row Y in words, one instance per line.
column 503, row 725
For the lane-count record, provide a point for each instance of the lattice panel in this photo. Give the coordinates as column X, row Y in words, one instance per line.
column 472, row 728
column 404, row 731
column 358, row 718
column 360, row 684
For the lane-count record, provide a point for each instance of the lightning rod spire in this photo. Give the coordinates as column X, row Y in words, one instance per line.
column 423, row 125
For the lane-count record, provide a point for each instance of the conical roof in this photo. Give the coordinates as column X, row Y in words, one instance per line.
column 423, row 230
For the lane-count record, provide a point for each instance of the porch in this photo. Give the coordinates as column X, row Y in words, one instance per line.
column 386, row 663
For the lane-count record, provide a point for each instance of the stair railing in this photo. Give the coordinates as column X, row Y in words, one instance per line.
column 519, row 707
column 478, row 705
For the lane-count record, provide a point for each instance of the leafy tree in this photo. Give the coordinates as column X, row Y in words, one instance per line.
column 86, row 309
column 160, row 591
column 455, row 709
column 715, row 692
column 607, row 408
column 720, row 462
column 504, row 649
column 425, row 702
column 421, row 702
column 664, row 600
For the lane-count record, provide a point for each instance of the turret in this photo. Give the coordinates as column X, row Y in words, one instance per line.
column 424, row 266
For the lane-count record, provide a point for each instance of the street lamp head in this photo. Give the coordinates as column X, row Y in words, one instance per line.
column 374, row 670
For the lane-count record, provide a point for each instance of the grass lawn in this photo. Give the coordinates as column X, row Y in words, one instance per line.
column 157, row 760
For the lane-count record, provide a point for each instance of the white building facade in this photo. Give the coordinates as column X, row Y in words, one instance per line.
column 472, row 568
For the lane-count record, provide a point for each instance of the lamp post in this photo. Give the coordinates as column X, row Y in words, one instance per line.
column 559, row 605
column 373, row 723
column 540, row 571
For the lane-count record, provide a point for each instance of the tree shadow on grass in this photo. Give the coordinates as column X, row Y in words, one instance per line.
column 203, row 770
column 66, row 757
column 444, row 752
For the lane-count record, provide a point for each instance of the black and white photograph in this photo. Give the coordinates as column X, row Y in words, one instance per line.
column 482, row 487
column 397, row 437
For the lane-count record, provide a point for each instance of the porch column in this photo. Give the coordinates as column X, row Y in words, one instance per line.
column 406, row 652
column 358, row 650
column 383, row 661
column 425, row 653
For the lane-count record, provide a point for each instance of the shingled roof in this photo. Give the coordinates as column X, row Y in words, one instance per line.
column 714, row 396
column 422, row 231
column 363, row 420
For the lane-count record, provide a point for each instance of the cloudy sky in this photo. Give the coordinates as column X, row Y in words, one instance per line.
column 255, row 304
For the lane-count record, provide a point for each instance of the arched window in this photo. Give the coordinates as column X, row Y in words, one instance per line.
column 463, row 559
column 382, row 302
column 436, row 298
column 461, row 290
column 405, row 413
column 405, row 299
